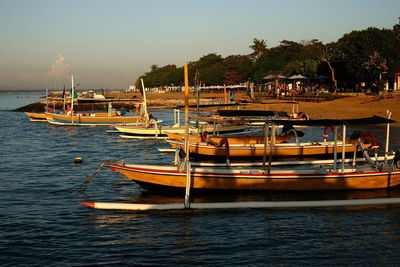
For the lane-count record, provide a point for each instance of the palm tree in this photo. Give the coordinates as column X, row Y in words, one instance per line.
column 259, row 47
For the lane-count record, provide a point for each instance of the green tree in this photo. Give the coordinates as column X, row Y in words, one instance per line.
column 369, row 53
column 396, row 30
column 259, row 48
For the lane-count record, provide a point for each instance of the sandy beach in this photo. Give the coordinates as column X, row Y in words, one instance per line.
column 342, row 108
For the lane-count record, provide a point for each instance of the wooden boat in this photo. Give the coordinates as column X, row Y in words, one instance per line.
column 42, row 116
column 274, row 148
column 255, row 146
column 73, row 118
column 163, row 131
column 85, row 119
column 373, row 175
column 259, row 150
column 157, row 177
column 215, row 139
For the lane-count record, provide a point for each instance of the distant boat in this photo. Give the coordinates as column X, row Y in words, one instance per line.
column 90, row 119
column 72, row 118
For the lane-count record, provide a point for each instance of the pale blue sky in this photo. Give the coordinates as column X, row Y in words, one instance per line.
column 109, row 43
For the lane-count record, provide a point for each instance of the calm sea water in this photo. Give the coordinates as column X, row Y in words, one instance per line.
column 42, row 222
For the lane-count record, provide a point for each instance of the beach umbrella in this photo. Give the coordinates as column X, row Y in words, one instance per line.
column 274, row 77
column 297, row 77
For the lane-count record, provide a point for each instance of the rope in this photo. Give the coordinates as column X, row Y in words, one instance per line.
column 82, row 187
column 91, row 177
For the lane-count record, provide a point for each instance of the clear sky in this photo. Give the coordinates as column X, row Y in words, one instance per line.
column 109, row 43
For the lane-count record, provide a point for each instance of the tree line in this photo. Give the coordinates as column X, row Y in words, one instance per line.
column 371, row 56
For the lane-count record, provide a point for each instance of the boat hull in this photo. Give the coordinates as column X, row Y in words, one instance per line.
column 256, row 179
column 231, row 139
column 258, row 150
column 148, row 131
column 163, row 131
column 79, row 119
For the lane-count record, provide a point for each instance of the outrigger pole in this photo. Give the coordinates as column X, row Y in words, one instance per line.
column 245, row 205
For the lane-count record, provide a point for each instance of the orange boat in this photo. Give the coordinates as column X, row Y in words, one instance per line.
column 259, row 150
column 214, row 139
column 90, row 120
column 158, row 177
column 253, row 146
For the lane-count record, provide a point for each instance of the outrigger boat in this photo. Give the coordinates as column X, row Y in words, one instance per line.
column 234, row 178
column 160, row 131
column 241, row 139
column 257, row 146
column 86, row 119
column 72, row 118
column 155, row 130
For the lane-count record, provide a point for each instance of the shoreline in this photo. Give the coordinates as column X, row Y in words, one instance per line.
column 341, row 108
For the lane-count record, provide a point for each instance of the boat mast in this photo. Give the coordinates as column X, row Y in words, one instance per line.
column 343, row 147
column 47, row 94
column 144, row 104
column 64, row 97
column 72, row 93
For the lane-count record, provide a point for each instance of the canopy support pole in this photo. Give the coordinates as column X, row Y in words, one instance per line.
column 389, row 114
column 335, row 150
column 187, row 162
column 343, row 147
column 266, row 132
column 271, row 145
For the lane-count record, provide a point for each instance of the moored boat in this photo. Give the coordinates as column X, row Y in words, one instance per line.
column 163, row 131
column 240, row 139
column 259, row 150
column 373, row 175
column 157, row 177
column 85, row 119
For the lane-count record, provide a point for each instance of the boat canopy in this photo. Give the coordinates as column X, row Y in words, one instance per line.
column 251, row 113
column 323, row 122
